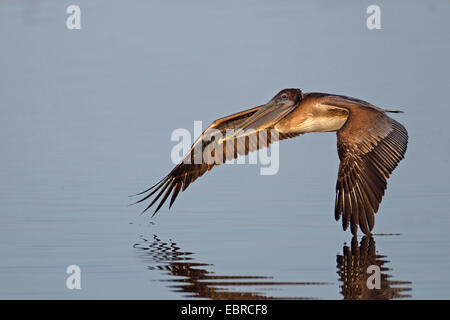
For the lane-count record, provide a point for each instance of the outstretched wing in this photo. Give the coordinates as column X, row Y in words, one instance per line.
column 370, row 146
column 210, row 149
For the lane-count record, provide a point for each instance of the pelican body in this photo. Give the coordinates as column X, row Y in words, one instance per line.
column 370, row 145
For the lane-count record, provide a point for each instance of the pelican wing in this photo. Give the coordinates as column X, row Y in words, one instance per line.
column 218, row 144
column 370, row 146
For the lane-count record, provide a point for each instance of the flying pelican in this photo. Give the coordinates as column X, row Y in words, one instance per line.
column 370, row 145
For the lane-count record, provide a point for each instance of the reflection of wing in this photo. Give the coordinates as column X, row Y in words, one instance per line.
column 193, row 279
column 203, row 156
column 370, row 146
column 352, row 270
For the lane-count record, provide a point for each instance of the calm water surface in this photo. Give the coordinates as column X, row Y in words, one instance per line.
column 86, row 119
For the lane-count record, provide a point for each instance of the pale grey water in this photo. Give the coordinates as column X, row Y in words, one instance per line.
column 86, row 118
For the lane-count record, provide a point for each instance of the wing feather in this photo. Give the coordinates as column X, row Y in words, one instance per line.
column 370, row 146
column 194, row 165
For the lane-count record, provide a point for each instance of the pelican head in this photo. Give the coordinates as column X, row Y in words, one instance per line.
column 287, row 97
column 269, row 114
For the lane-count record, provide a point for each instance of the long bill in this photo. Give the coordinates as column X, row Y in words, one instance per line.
column 265, row 118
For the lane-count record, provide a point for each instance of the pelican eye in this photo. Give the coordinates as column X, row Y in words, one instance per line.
column 284, row 96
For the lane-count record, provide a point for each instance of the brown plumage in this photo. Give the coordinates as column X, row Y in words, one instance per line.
column 370, row 145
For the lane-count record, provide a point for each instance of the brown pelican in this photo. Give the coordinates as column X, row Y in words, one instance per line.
column 370, row 145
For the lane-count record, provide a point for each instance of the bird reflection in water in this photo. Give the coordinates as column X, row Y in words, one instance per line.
column 352, row 270
column 193, row 279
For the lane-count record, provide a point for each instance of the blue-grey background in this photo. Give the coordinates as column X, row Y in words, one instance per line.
column 86, row 117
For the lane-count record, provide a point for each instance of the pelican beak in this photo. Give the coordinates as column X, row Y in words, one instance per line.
column 266, row 117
